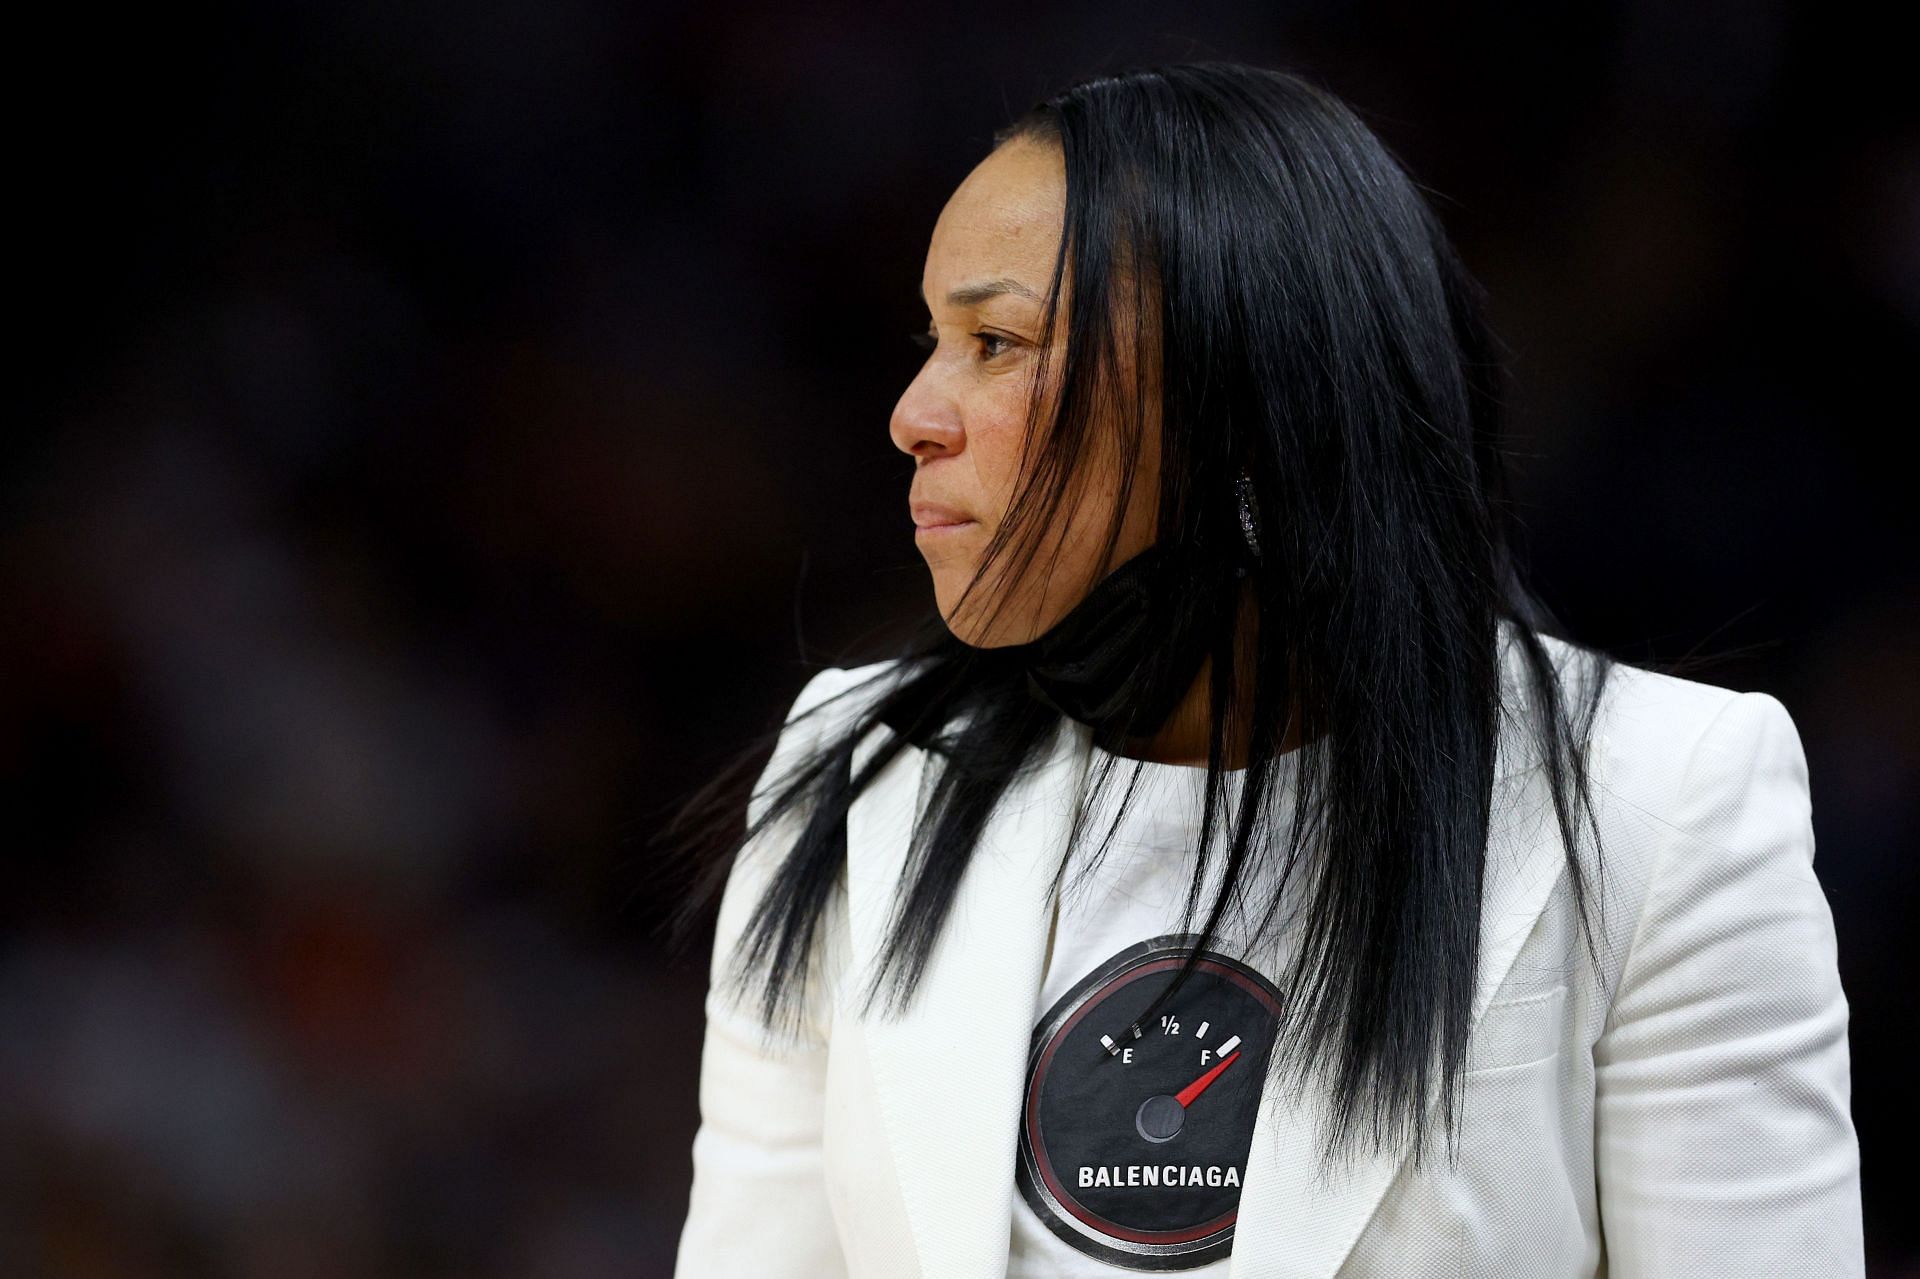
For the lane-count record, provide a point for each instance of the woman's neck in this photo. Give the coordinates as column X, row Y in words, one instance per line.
column 1183, row 738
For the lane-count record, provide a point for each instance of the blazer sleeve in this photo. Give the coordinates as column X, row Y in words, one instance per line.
column 1725, row 1143
column 759, row 1205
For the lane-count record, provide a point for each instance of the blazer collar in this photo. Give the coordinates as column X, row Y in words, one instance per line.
column 950, row 1070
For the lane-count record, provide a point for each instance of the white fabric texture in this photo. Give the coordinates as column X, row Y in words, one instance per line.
column 1681, row 1109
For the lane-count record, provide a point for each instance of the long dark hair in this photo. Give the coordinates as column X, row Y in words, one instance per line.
column 1316, row 330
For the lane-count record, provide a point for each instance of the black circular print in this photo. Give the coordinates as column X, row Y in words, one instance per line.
column 1134, row 1138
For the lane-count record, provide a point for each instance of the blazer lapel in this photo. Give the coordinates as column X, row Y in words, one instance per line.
column 1298, row 1219
column 950, row 1070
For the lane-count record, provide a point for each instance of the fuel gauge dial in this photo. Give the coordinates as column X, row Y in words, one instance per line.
column 1134, row 1137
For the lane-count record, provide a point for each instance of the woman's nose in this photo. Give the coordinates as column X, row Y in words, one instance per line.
column 923, row 423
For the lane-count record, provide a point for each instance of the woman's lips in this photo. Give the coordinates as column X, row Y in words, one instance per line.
column 934, row 530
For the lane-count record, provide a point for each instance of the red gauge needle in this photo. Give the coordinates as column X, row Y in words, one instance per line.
column 1186, row 1095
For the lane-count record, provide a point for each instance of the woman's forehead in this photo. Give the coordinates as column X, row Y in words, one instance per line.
column 1004, row 221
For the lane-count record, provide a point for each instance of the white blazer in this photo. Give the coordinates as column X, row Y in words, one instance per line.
column 1685, row 1114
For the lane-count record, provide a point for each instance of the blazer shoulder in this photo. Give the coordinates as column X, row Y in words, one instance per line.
column 873, row 675
column 1647, row 704
column 832, row 686
column 1664, row 746
column 818, row 711
column 831, row 700
column 1643, row 730
column 1661, row 732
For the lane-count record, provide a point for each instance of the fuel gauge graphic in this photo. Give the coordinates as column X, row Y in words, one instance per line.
column 1134, row 1138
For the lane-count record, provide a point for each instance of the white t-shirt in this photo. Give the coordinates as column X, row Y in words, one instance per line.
column 1165, row 1168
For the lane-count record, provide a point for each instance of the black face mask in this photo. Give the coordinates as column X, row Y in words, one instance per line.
column 1105, row 666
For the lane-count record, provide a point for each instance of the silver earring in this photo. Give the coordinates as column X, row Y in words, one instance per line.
column 1247, row 513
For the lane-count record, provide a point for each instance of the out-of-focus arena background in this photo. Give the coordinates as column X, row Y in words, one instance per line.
column 441, row 433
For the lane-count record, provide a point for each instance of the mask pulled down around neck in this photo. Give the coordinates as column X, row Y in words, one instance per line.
column 1108, row 664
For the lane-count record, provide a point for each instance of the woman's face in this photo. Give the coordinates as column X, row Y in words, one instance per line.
column 963, row 417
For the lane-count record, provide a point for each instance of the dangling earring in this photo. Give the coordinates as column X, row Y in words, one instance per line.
column 1248, row 518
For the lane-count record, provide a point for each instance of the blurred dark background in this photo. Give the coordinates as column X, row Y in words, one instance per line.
column 445, row 432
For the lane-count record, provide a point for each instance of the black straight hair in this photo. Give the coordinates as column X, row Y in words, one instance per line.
column 1311, row 325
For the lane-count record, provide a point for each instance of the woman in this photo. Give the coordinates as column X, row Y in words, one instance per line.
column 1446, row 946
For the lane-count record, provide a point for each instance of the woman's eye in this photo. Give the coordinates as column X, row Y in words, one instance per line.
column 995, row 344
column 993, row 337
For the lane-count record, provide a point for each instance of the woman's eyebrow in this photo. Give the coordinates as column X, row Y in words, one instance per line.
column 976, row 293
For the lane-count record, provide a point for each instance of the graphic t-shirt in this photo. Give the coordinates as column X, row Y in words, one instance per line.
column 1134, row 1132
